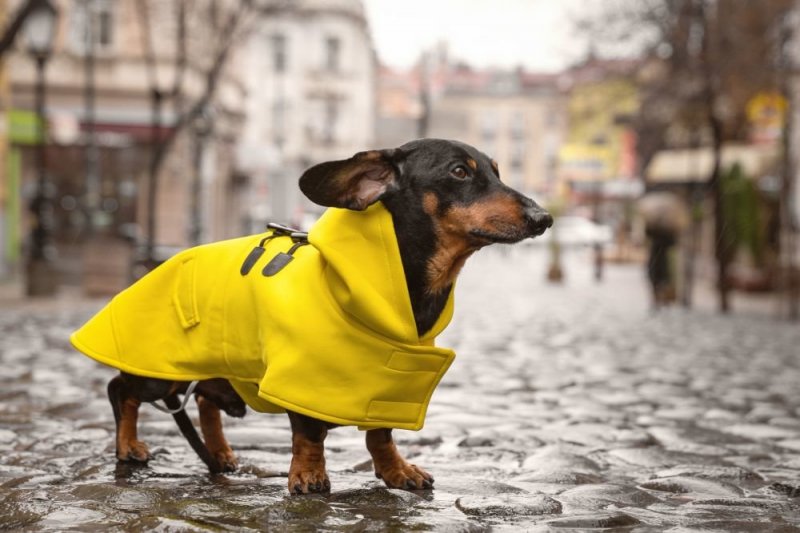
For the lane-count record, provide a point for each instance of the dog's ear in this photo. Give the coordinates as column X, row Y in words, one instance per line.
column 354, row 183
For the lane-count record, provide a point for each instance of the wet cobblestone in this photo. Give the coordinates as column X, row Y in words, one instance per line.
column 567, row 408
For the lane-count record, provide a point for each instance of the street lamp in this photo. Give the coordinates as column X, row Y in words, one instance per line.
column 39, row 31
column 202, row 128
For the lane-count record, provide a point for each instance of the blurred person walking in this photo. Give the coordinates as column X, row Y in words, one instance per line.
column 659, row 269
column 665, row 217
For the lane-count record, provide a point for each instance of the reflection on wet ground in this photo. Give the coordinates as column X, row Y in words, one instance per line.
column 567, row 408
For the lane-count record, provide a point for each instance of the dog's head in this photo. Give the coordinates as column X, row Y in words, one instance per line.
column 457, row 186
column 446, row 200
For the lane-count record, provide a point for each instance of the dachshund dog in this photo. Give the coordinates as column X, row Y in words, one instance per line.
column 446, row 201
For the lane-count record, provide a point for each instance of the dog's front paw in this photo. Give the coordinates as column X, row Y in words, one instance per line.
column 133, row 450
column 403, row 475
column 308, row 478
column 227, row 460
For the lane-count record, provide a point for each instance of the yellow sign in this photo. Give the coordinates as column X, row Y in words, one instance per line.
column 23, row 127
column 767, row 109
column 584, row 162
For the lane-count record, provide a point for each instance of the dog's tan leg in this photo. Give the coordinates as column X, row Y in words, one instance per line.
column 211, row 426
column 126, row 416
column 390, row 466
column 307, row 472
column 129, row 448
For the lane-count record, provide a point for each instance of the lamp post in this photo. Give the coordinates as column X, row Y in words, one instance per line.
column 39, row 31
column 202, row 129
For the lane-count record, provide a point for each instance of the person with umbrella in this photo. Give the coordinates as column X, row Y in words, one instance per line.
column 665, row 217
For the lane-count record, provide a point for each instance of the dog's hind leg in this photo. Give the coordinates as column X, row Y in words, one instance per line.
column 126, row 415
column 390, row 466
column 211, row 426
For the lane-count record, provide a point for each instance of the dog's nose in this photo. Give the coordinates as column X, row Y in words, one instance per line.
column 538, row 220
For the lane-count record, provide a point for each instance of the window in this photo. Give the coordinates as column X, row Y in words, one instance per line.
column 279, row 59
column 488, row 125
column 551, row 168
column 623, row 119
column 518, row 156
column 332, row 51
column 518, row 125
column 279, row 111
column 322, row 122
column 92, row 21
column 331, row 117
column 516, row 170
column 104, row 27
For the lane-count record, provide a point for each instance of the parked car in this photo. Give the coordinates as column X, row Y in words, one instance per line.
column 576, row 231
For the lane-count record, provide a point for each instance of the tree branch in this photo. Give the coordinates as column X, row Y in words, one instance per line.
column 230, row 35
column 7, row 40
column 147, row 44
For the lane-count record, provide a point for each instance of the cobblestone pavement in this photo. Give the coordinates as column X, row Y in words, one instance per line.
column 567, row 408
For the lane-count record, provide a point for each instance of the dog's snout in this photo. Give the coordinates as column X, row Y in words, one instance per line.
column 538, row 220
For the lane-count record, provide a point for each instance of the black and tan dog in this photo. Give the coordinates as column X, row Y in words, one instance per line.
column 446, row 201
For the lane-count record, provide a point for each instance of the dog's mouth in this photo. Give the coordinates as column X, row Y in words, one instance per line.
column 491, row 237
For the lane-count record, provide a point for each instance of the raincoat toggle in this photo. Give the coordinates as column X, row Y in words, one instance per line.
column 276, row 264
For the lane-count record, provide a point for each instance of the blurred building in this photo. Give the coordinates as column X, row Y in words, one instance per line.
column 311, row 71
column 599, row 152
column 8, row 248
column 400, row 106
column 101, row 140
column 514, row 116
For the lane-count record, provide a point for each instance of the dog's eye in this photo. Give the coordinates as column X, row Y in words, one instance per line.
column 459, row 172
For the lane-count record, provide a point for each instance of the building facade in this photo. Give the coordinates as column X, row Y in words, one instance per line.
column 102, row 129
column 311, row 71
column 600, row 144
column 400, row 106
column 514, row 117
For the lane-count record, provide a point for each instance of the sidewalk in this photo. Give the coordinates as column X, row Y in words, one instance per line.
column 567, row 406
column 12, row 296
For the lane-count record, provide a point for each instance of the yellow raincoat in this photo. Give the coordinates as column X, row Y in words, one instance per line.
column 331, row 335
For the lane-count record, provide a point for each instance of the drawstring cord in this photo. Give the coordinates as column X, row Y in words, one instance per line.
column 187, row 394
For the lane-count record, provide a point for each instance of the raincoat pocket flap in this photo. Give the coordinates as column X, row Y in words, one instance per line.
column 184, row 295
column 416, row 362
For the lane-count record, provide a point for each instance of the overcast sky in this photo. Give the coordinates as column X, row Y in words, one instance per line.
column 539, row 34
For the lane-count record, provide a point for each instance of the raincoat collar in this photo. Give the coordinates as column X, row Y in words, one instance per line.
column 365, row 273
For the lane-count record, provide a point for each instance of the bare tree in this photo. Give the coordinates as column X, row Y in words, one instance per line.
column 708, row 59
column 13, row 28
column 220, row 27
column 790, row 281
